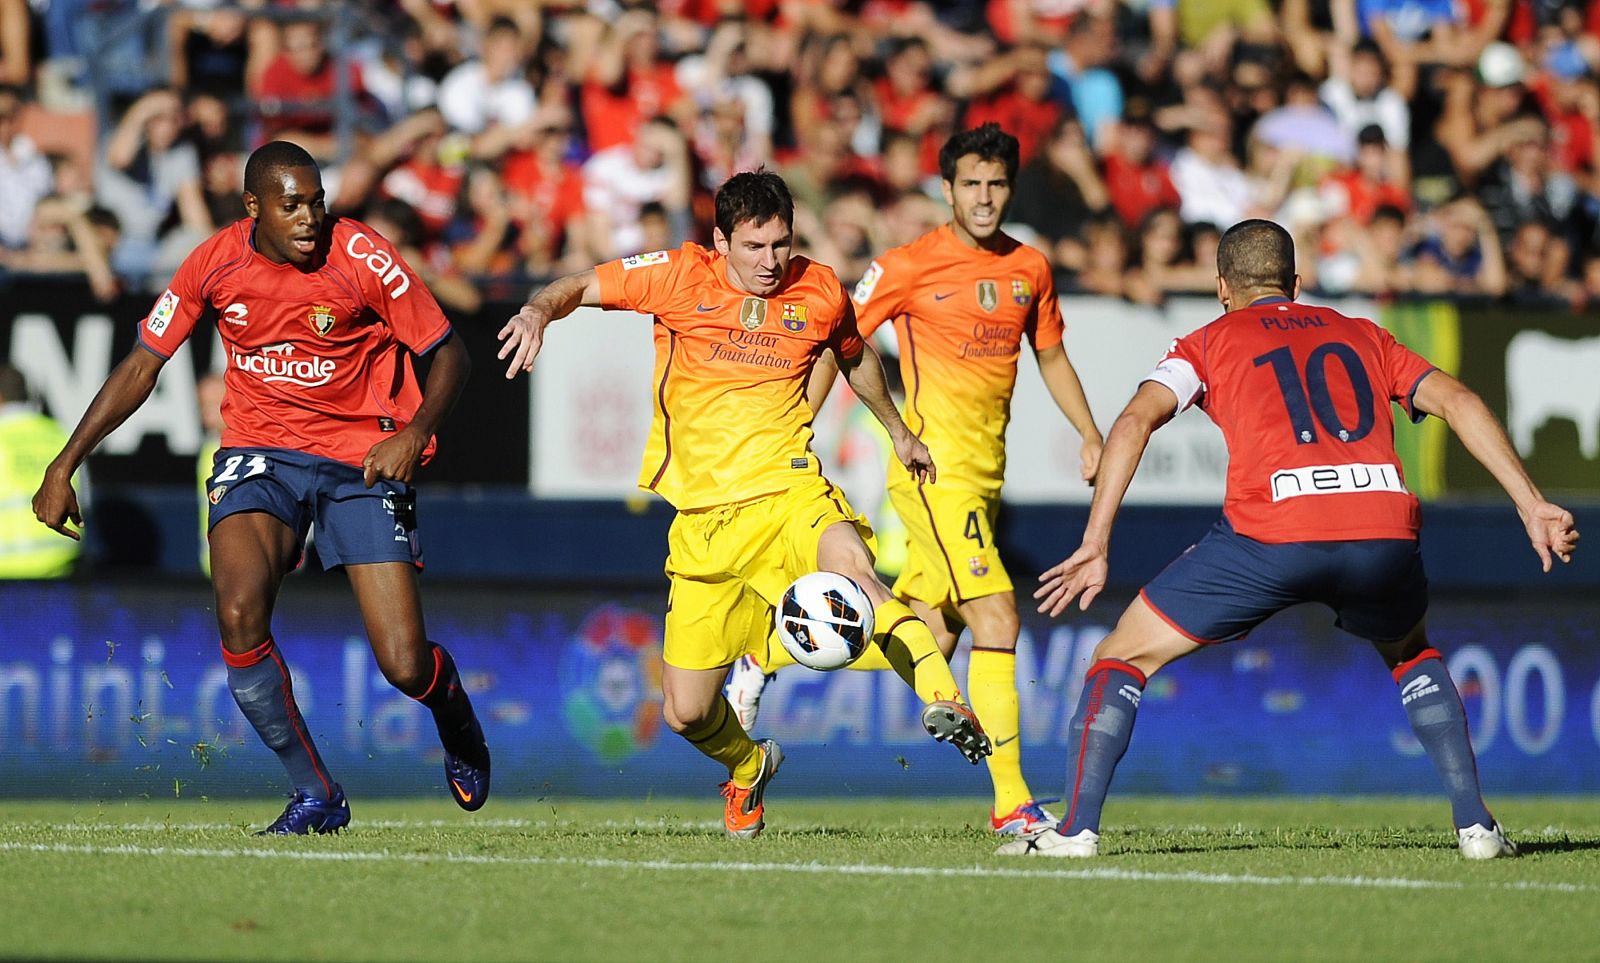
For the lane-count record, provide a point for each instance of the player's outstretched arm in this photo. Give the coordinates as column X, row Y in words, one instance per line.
column 864, row 374
column 1061, row 379
column 398, row 456
column 1551, row 529
column 1083, row 574
column 524, row 333
column 129, row 384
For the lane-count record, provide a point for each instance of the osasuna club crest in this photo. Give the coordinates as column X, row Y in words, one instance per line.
column 753, row 313
column 322, row 319
column 988, row 295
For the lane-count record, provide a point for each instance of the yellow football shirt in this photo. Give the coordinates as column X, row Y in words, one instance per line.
column 731, row 420
column 960, row 315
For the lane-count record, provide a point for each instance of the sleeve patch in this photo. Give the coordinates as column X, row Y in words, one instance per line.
column 644, row 260
column 868, row 283
column 161, row 316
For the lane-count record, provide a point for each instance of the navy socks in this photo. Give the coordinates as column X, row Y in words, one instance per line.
column 1101, row 728
column 1440, row 722
column 260, row 684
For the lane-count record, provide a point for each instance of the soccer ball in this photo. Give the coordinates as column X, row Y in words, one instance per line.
column 825, row 621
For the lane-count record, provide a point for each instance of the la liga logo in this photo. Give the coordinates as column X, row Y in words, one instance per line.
column 611, row 676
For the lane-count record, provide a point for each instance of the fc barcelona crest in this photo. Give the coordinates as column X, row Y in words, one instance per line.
column 1021, row 292
column 753, row 313
column 978, row 565
column 321, row 319
column 988, row 295
column 794, row 317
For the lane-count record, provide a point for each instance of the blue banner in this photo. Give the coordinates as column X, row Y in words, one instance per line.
column 120, row 690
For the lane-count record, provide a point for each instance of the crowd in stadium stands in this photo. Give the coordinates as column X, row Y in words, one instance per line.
column 1412, row 146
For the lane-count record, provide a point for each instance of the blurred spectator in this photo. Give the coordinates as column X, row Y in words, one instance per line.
column 1305, row 125
column 735, row 106
column 1057, row 192
column 828, row 70
column 1383, row 264
column 1481, row 122
column 843, row 237
column 910, row 100
column 493, row 89
column 1020, row 100
column 483, row 238
column 910, row 216
column 1317, row 32
column 1217, row 23
column 222, row 178
column 1136, row 180
column 620, row 180
column 29, row 441
column 1460, row 254
column 209, row 51
column 1105, row 259
column 1524, row 186
column 208, row 392
column 825, row 166
column 1413, row 33
column 1359, row 191
column 1536, row 264
column 545, row 189
column 1357, row 93
column 67, row 239
column 24, row 171
column 1162, row 264
column 629, row 83
column 1081, row 65
column 148, row 176
column 1207, row 175
column 295, row 94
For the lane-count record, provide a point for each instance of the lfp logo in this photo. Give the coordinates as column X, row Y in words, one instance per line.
column 611, row 674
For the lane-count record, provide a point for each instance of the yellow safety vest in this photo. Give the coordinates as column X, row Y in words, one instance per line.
column 28, row 442
column 208, row 452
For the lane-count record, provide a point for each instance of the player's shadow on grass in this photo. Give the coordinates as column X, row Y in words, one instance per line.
column 1541, row 846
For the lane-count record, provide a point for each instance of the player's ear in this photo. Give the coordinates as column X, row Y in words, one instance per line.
column 949, row 193
column 251, row 205
column 1295, row 296
column 720, row 241
column 1222, row 290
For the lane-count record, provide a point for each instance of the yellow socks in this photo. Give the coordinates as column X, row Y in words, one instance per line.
column 723, row 739
column 992, row 683
column 907, row 644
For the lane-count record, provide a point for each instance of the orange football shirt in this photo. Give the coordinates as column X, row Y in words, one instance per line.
column 731, row 419
column 960, row 315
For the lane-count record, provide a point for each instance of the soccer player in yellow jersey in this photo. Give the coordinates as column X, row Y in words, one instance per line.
column 962, row 298
column 737, row 332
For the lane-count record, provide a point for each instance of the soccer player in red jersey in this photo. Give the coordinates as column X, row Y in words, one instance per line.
column 324, row 423
column 1316, row 510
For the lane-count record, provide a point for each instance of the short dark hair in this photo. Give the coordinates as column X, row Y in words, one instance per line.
column 269, row 159
column 989, row 142
column 753, row 197
column 1256, row 255
column 13, row 386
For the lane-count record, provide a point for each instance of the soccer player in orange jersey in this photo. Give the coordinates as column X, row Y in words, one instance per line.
column 737, row 332
column 962, row 298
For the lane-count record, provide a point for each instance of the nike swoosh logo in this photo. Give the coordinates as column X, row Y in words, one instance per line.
column 703, row 308
column 819, row 519
column 1000, row 742
column 922, row 660
column 941, row 297
column 465, row 796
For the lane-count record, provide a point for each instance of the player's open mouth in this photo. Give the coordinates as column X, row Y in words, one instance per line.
column 305, row 245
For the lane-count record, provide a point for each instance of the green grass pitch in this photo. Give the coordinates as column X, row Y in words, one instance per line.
column 1227, row 879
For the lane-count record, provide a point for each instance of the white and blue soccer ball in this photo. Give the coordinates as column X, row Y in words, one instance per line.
column 824, row 621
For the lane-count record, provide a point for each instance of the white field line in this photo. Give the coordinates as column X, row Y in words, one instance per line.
column 1110, row 874
column 466, row 822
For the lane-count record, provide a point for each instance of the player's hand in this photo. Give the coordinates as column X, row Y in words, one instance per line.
column 1089, row 455
column 915, row 456
column 1083, row 573
column 523, row 336
column 1552, row 531
column 394, row 458
column 55, row 502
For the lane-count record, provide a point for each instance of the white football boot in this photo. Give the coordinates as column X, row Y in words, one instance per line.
column 1051, row 843
column 1479, row 843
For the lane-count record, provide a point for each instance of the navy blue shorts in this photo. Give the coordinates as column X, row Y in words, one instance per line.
column 355, row 524
column 1227, row 584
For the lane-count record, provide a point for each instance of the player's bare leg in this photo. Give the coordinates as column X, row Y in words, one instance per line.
column 250, row 553
column 1140, row 645
column 1437, row 717
column 694, row 707
column 908, row 644
column 992, row 686
column 391, row 607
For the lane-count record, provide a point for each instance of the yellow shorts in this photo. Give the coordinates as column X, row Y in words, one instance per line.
column 952, row 557
column 729, row 566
